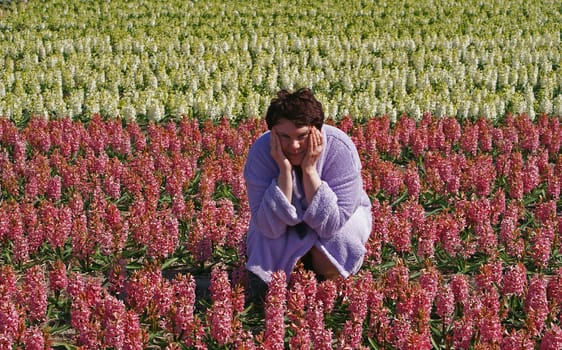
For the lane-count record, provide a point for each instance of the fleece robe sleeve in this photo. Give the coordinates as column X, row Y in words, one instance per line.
column 271, row 212
column 340, row 193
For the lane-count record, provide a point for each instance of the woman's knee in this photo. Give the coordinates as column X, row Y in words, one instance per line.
column 322, row 265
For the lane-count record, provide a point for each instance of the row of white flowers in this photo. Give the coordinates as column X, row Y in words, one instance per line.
column 213, row 59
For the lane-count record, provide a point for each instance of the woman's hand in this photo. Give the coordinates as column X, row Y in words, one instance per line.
column 277, row 153
column 311, row 180
column 315, row 146
column 284, row 181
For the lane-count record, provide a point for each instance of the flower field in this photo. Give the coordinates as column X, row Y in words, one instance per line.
column 465, row 248
column 214, row 58
column 125, row 129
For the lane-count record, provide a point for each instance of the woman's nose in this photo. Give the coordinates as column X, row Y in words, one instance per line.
column 295, row 144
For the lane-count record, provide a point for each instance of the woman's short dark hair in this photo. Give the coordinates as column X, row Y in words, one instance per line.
column 300, row 107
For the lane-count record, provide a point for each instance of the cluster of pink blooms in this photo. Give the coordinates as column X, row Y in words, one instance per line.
column 464, row 251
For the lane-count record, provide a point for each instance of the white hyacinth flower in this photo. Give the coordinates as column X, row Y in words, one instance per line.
column 546, row 106
column 155, row 111
column 128, row 112
column 557, row 105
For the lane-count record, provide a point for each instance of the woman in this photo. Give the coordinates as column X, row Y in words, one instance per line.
column 305, row 193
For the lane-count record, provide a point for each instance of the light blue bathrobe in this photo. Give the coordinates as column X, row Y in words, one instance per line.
column 338, row 221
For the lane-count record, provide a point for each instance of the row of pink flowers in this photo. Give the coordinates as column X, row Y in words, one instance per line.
column 394, row 310
column 93, row 198
column 70, row 178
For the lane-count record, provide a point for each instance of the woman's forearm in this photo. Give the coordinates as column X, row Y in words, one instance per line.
column 311, row 182
column 285, row 183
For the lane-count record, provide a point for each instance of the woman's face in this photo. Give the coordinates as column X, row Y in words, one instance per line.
column 293, row 139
